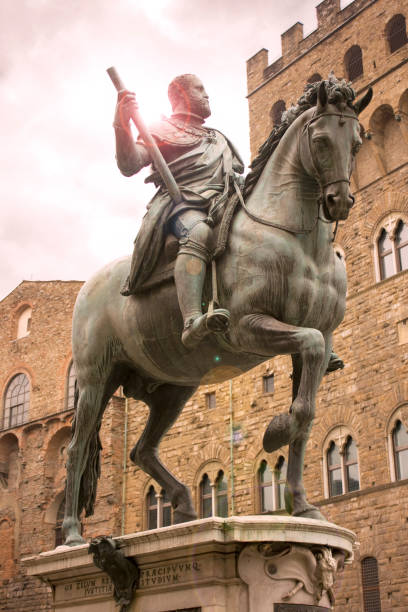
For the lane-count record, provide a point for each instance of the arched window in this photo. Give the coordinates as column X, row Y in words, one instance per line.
column 385, row 255
column 400, row 450
column 206, row 504
column 59, row 538
column 392, row 248
column 70, row 393
column 272, row 486
column 371, row 587
column 342, row 468
column 265, row 488
column 221, row 495
column 351, row 466
column 315, row 78
column 165, row 510
column 353, row 61
column 334, row 470
column 276, row 112
column 151, row 508
column 9, row 462
column 17, row 401
column 280, row 477
column 24, row 322
column 401, row 245
column 159, row 509
column 396, row 32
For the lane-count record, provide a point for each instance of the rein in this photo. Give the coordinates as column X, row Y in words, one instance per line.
column 269, row 223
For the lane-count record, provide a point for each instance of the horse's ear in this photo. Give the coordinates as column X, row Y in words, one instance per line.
column 321, row 97
column 360, row 105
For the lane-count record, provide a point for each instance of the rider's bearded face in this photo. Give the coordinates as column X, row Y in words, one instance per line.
column 197, row 99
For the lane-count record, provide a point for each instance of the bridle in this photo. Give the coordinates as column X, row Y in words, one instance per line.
column 306, row 128
column 316, row 176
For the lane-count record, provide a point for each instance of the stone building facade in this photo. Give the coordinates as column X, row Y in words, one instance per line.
column 36, row 382
column 356, row 464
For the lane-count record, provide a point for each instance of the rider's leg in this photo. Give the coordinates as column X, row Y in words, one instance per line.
column 189, row 275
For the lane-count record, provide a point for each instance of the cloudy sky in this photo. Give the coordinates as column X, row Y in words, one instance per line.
column 65, row 208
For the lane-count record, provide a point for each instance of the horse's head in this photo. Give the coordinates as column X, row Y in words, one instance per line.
column 330, row 140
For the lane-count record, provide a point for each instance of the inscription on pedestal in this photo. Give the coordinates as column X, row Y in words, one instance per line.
column 174, row 573
column 283, row 607
column 91, row 587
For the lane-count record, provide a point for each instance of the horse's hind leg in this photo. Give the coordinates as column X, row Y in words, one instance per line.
column 83, row 457
column 166, row 403
column 267, row 336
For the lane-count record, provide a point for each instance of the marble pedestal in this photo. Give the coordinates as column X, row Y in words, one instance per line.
column 238, row 564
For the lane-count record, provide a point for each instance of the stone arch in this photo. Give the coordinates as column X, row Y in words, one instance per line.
column 50, row 516
column 9, row 462
column 7, row 563
column 18, row 311
column 387, row 137
column 55, row 455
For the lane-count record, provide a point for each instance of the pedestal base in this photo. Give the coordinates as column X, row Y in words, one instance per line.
column 239, row 564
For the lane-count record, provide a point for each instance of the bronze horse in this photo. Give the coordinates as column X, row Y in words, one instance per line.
column 281, row 282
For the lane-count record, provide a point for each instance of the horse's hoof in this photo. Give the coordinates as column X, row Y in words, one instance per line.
column 74, row 540
column 277, row 433
column 183, row 517
column 312, row 512
column 335, row 363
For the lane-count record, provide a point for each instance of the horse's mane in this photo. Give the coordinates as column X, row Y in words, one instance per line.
column 338, row 91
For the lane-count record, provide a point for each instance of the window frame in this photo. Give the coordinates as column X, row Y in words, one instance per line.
column 274, row 484
column 70, row 396
column 397, row 450
column 267, row 379
column 340, row 436
column 352, row 57
column 390, row 31
column 389, row 224
column 211, row 400
column 367, row 589
column 7, row 420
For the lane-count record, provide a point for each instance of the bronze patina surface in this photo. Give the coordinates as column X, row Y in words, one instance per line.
column 279, row 281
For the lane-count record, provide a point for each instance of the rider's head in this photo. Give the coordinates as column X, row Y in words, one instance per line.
column 187, row 95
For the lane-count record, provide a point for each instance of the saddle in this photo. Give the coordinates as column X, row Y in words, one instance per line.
column 164, row 270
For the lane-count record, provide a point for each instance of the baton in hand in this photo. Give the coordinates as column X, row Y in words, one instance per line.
column 158, row 159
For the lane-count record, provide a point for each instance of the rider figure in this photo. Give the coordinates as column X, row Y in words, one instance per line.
column 203, row 162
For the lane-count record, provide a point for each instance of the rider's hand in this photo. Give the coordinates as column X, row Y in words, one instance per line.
column 125, row 108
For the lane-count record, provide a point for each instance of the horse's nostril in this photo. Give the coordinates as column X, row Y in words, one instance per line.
column 352, row 200
column 330, row 198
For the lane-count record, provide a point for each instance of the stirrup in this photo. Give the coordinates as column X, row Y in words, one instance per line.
column 217, row 321
column 196, row 328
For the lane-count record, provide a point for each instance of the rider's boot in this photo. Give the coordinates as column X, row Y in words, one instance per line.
column 189, row 275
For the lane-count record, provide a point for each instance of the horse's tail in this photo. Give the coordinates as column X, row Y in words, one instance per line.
column 91, row 473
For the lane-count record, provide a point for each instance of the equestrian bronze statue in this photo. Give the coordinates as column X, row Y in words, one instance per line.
column 153, row 324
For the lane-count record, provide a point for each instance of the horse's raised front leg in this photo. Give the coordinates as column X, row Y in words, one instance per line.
column 166, row 404
column 267, row 336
